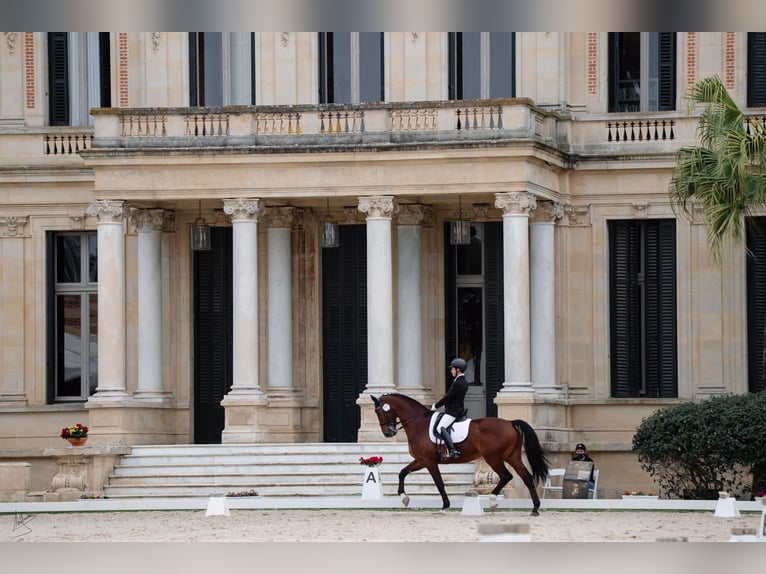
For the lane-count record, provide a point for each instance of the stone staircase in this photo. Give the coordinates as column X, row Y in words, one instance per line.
column 316, row 469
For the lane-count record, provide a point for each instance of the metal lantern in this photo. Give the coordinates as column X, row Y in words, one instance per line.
column 460, row 227
column 328, row 230
column 200, row 233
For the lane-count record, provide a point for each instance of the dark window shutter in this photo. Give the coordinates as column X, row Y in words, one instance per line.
column 660, row 309
column 624, row 304
column 756, row 69
column 454, row 66
column 194, row 66
column 105, row 70
column 613, row 74
column 667, row 87
column 756, row 302
column 450, row 303
column 58, row 78
column 493, row 296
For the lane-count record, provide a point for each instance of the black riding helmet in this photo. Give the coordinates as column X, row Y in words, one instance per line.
column 459, row 364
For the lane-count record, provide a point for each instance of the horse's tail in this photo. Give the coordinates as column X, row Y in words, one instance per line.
column 536, row 455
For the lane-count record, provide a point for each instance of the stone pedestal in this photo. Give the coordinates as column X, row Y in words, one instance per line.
column 246, row 416
column 14, row 481
column 282, row 420
column 81, row 471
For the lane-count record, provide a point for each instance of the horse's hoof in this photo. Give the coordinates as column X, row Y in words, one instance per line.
column 405, row 499
column 535, row 513
column 493, row 502
column 443, row 511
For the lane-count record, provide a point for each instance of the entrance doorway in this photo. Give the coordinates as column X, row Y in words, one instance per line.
column 474, row 314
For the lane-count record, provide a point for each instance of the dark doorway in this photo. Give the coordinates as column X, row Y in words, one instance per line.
column 213, row 358
column 344, row 332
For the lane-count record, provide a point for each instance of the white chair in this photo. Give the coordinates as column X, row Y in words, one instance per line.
column 557, row 473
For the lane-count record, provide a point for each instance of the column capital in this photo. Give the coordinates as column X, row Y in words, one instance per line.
column 281, row 216
column 380, row 206
column 548, row 212
column 243, row 209
column 410, row 214
column 107, row 211
column 149, row 219
column 515, row 203
column 13, row 226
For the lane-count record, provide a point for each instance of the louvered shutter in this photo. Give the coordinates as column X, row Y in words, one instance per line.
column 194, row 99
column 660, row 309
column 344, row 332
column 756, row 69
column 493, row 296
column 105, row 70
column 58, row 78
column 624, row 309
column 613, row 71
column 213, row 335
column 756, row 301
column 667, row 72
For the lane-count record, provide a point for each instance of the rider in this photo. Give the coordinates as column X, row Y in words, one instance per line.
column 453, row 404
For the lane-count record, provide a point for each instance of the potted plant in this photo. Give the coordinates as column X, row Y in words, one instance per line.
column 76, row 434
column 629, row 494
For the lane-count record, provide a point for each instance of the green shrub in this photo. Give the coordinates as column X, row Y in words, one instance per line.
column 694, row 450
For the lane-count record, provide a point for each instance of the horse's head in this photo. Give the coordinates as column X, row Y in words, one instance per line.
column 386, row 416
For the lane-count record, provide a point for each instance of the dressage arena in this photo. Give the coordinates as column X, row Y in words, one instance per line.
column 364, row 525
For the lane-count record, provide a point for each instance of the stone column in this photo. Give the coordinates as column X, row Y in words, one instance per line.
column 12, row 293
column 516, row 316
column 149, row 224
column 380, row 327
column 285, row 401
column 111, row 300
column 543, row 300
column 409, row 331
column 245, row 402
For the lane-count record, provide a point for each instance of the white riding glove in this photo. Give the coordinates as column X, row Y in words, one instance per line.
column 433, row 407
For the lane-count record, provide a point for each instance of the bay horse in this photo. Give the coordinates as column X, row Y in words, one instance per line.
column 496, row 440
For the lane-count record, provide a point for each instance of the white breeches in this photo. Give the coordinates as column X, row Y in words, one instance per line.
column 445, row 421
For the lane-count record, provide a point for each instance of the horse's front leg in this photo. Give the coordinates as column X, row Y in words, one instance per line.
column 414, row 465
column 433, row 468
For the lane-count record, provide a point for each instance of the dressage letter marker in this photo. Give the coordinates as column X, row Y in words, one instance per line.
column 371, row 487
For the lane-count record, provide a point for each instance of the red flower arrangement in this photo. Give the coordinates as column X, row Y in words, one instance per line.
column 371, row 461
column 74, row 431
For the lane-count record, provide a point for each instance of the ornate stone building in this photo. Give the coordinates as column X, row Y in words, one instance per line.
column 237, row 237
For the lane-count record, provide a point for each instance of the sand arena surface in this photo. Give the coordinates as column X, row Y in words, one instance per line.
column 406, row 525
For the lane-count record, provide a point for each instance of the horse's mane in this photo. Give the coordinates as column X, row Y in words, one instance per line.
column 410, row 399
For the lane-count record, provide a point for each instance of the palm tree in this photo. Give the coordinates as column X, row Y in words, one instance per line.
column 726, row 173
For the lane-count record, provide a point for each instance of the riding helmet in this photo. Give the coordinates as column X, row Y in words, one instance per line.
column 458, row 364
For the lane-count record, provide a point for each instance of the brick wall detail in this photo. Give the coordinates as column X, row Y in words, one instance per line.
column 592, row 63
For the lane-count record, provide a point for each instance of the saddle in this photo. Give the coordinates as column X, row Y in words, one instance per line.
column 458, row 429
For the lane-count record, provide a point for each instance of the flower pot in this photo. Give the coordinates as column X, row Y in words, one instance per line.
column 77, row 441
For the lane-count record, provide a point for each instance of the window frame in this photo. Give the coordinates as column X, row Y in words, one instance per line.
column 237, row 75
column 456, row 55
column 327, row 61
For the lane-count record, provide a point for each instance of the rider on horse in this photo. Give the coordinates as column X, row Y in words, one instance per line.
column 453, row 404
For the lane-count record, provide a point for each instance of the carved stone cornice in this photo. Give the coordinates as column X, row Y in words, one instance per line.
column 10, row 41
column 515, row 203
column 410, row 214
column 13, row 226
column 156, row 37
column 577, row 214
column 351, row 213
column 243, row 209
column 381, row 206
column 281, row 216
column 640, row 209
column 107, row 211
column 481, row 211
column 284, row 38
column 151, row 219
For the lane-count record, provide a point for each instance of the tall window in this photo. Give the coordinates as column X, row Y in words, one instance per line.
column 642, row 71
column 221, row 68
column 756, row 69
column 642, row 277
column 481, row 65
column 351, row 67
column 756, row 303
column 79, row 76
column 73, row 315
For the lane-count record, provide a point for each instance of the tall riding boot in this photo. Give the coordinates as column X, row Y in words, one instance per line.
column 452, row 451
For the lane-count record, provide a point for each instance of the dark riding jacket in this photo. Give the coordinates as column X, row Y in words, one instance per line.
column 453, row 400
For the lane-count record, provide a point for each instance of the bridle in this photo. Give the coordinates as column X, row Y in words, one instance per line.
column 395, row 426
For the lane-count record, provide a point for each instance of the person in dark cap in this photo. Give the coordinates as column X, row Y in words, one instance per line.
column 581, row 453
column 453, row 403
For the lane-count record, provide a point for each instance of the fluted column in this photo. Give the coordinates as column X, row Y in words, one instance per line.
column 149, row 224
column 380, row 332
column 409, row 330
column 543, row 300
column 516, row 315
column 111, row 299
column 280, row 319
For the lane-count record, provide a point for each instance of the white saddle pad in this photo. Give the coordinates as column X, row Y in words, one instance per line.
column 459, row 430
